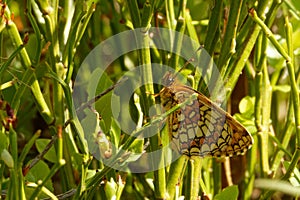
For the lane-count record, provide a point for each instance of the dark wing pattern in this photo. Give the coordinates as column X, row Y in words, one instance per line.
column 201, row 128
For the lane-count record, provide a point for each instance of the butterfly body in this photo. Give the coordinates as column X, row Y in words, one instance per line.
column 200, row 127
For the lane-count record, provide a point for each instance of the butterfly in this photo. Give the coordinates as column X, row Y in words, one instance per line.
column 200, row 127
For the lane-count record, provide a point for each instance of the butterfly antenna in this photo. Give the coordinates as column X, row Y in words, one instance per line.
column 192, row 59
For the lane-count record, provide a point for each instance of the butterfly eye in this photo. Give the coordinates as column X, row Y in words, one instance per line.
column 168, row 79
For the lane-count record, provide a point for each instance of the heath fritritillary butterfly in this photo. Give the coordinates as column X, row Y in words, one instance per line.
column 201, row 128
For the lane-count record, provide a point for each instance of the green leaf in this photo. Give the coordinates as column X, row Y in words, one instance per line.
column 246, row 115
column 39, row 172
column 97, row 86
column 41, row 145
column 246, row 105
column 229, row 193
column 137, row 146
column 110, row 189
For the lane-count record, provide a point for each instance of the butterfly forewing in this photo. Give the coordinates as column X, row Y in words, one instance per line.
column 201, row 128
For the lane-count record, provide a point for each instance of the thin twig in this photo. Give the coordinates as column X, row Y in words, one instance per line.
column 41, row 155
column 97, row 97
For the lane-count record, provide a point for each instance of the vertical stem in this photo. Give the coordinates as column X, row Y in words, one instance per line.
column 213, row 27
column 237, row 62
column 217, row 181
column 175, row 175
column 37, row 33
column 15, row 192
column 177, row 44
column 229, row 43
column 30, row 79
column 169, row 4
column 262, row 102
column 294, row 88
column 146, row 72
column 192, row 186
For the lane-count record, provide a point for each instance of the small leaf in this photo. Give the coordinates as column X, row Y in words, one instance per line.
column 246, row 105
column 41, row 145
column 137, row 146
column 229, row 193
column 97, row 86
column 39, row 172
column 110, row 189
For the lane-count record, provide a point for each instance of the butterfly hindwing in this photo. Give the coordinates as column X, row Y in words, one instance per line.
column 201, row 128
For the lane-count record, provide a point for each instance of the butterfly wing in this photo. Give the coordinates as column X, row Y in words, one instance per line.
column 201, row 128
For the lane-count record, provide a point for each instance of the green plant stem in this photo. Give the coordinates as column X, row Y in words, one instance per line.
column 147, row 16
column 288, row 132
column 175, row 175
column 289, row 63
column 115, row 159
column 263, row 94
column 169, row 4
column 262, row 102
column 269, row 34
column 191, row 29
column 75, row 36
column 194, row 171
column 51, row 25
column 13, row 190
column 250, row 178
column 294, row 87
column 294, row 91
column 57, row 68
column 17, row 183
column 10, row 59
column 70, row 50
column 266, row 107
column 229, row 43
column 177, row 44
column 146, row 72
column 2, row 167
column 27, row 147
column 34, row 86
column 44, row 190
column 287, row 175
column 134, row 13
column 37, row 32
column 292, row 9
column 65, row 137
column 213, row 31
column 217, row 181
column 238, row 60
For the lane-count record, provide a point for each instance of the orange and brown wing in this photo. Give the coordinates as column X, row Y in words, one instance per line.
column 201, row 128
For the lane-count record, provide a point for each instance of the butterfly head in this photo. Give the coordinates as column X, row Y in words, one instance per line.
column 168, row 79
